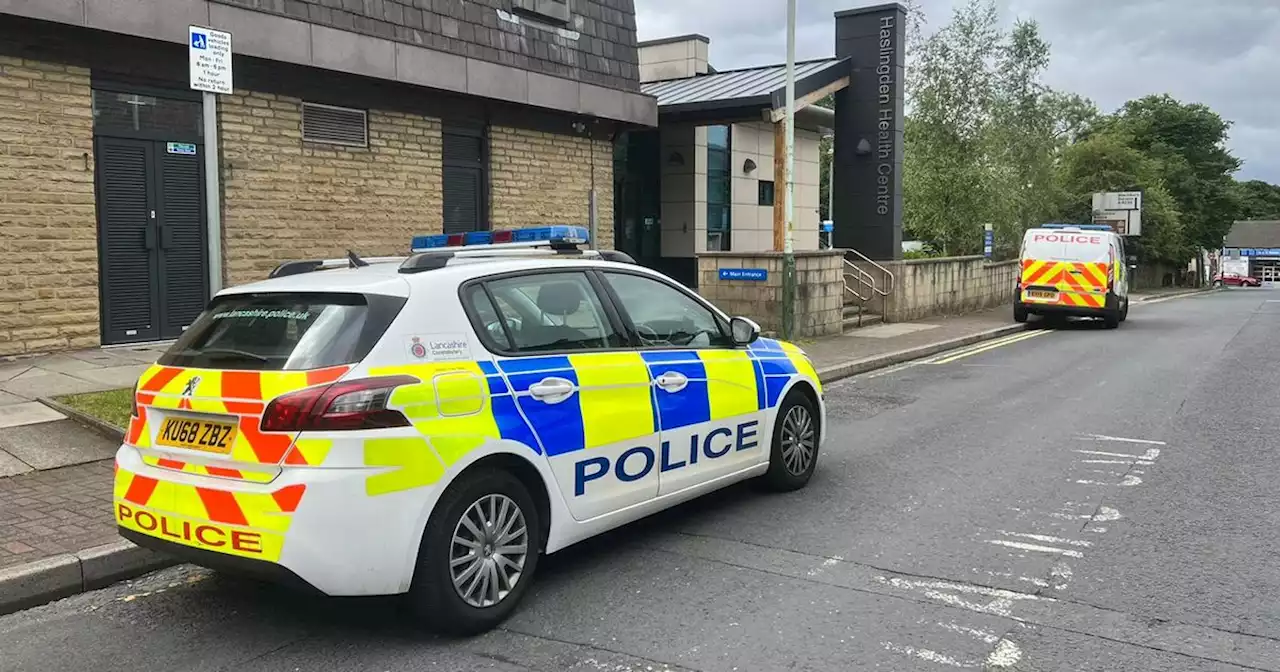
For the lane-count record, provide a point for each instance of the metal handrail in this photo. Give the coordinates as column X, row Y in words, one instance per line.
column 888, row 273
column 862, row 277
column 867, row 278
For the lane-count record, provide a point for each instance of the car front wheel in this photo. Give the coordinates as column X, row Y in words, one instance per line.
column 478, row 554
column 794, row 453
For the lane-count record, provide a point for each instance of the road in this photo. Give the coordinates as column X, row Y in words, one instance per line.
column 1067, row 499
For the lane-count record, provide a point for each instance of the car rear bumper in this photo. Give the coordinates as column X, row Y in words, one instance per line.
column 312, row 526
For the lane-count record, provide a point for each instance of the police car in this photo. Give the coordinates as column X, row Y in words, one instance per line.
column 431, row 424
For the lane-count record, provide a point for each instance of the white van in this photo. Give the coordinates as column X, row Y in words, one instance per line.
column 1073, row 270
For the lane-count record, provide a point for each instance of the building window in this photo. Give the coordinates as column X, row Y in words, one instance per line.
column 335, row 125
column 766, row 192
column 465, row 162
column 719, row 186
column 554, row 11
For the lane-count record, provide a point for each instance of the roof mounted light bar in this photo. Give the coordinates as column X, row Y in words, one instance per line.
column 555, row 236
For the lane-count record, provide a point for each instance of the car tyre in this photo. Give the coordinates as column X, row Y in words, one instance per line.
column 1111, row 319
column 485, row 496
column 1019, row 312
column 1124, row 310
column 793, row 455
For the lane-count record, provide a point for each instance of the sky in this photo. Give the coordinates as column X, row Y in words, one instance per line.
column 1223, row 53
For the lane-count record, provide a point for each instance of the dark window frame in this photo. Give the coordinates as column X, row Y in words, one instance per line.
column 760, row 193
column 483, row 165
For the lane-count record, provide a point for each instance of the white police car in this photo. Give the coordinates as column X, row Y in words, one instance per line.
column 430, row 425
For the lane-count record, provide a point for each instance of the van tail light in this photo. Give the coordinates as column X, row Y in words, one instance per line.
column 344, row 405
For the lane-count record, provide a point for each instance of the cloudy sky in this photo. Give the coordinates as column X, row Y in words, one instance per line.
column 1223, row 53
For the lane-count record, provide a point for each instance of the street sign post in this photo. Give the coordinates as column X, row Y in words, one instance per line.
column 1121, row 210
column 988, row 241
column 209, row 53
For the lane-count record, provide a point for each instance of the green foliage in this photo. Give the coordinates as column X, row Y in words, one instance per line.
column 1256, row 200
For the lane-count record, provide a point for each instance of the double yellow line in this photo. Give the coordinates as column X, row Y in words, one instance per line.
column 981, row 348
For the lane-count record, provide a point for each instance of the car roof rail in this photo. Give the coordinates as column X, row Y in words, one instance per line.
column 352, row 260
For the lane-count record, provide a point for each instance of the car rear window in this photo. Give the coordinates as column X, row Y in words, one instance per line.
column 293, row 331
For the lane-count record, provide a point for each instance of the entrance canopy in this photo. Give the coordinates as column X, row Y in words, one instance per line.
column 743, row 95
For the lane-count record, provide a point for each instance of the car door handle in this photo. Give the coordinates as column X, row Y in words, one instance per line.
column 672, row 381
column 552, row 390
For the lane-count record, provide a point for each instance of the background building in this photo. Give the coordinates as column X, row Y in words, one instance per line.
column 1253, row 248
column 705, row 180
column 354, row 125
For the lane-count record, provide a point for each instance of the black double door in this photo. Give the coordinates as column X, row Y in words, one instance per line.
column 153, row 260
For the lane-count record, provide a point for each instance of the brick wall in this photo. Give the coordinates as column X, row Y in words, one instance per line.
column 48, row 227
column 286, row 199
column 819, row 288
column 544, row 178
column 598, row 46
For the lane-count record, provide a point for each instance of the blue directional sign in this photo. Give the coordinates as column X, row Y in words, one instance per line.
column 747, row 274
column 199, row 40
column 988, row 242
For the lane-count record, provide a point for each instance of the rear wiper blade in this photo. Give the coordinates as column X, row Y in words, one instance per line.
column 230, row 352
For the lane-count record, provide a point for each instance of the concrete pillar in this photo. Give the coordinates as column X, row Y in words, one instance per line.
column 868, row 144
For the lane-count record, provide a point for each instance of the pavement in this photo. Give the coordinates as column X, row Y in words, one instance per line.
column 1034, row 502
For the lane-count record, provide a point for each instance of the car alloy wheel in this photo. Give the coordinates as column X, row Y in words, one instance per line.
column 799, row 440
column 488, row 552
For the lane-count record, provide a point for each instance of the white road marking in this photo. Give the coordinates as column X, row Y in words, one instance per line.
column 1061, row 575
column 1035, row 547
column 1129, row 481
column 1141, row 462
column 1149, row 456
column 829, row 562
column 1104, row 437
column 1007, row 654
column 1000, row 605
column 985, row 636
column 1105, row 514
column 1027, row 579
column 984, row 348
column 1047, row 539
column 923, row 654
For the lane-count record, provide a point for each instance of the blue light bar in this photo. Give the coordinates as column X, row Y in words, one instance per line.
column 1082, row 227
column 555, row 234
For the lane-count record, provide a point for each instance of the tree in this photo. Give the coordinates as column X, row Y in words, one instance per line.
column 1256, row 199
column 1109, row 162
column 1189, row 142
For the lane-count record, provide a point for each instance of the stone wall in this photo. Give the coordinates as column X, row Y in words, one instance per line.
column 819, row 289
column 48, row 226
column 287, row 199
column 544, row 178
column 948, row 286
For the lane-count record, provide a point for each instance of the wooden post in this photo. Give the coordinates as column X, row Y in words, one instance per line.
column 779, row 184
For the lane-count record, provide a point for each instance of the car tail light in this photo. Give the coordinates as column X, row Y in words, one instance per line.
column 345, row 405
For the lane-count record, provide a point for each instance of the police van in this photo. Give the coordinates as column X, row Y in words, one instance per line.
column 430, row 425
column 1073, row 270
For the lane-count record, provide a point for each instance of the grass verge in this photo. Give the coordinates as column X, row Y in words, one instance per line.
column 112, row 407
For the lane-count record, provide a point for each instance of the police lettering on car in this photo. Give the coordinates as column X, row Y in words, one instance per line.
column 431, row 424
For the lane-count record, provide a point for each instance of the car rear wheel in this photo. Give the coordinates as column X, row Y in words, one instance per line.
column 794, row 453
column 1124, row 309
column 478, row 554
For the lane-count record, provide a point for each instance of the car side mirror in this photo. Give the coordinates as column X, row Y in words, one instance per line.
column 743, row 331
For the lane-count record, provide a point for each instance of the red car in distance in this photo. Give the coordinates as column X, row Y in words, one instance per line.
column 1236, row 280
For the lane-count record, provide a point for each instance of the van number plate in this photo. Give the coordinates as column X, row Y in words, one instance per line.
column 206, row 435
column 1042, row 295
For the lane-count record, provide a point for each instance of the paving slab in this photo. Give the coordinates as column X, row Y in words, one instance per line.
column 27, row 413
column 12, row 466
column 50, row 445
column 38, row 383
column 11, row 370
column 891, row 330
column 63, row 364
column 115, row 376
column 836, row 350
column 7, row 399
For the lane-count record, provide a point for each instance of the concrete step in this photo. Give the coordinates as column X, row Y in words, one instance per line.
column 852, row 310
column 850, row 323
